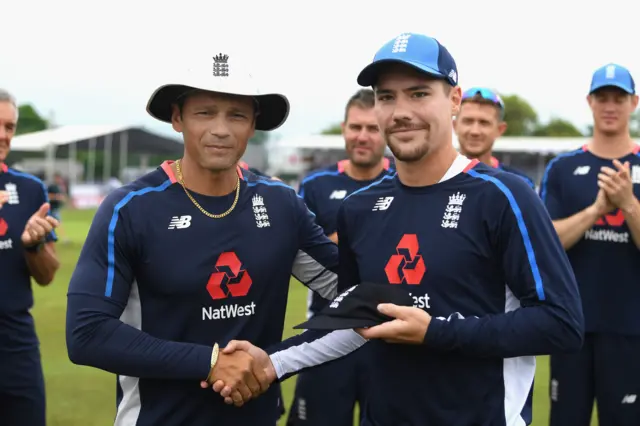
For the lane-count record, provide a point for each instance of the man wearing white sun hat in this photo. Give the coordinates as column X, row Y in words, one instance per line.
column 195, row 254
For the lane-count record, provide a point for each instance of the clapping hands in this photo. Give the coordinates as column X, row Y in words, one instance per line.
column 243, row 371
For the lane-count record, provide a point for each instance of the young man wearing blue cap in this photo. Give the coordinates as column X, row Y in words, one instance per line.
column 478, row 124
column 193, row 255
column 592, row 196
column 342, row 384
column 474, row 247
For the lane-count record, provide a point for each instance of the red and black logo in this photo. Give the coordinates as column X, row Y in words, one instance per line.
column 407, row 266
column 4, row 227
column 615, row 219
column 230, row 279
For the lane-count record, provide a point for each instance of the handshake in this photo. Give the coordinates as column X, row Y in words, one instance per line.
column 241, row 372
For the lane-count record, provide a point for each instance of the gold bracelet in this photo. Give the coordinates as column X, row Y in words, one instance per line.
column 214, row 360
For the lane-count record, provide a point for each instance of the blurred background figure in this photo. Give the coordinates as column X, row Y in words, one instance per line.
column 58, row 198
column 478, row 124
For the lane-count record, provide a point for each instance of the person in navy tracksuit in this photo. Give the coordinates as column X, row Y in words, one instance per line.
column 478, row 124
column 27, row 251
column 342, row 384
column 592, row 196
column 472, row 245
column 191, row 255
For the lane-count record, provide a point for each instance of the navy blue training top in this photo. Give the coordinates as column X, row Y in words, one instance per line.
column 27, row 193
column 158, row 283
column 323, row 191
column 479, row 253
column 606, row 261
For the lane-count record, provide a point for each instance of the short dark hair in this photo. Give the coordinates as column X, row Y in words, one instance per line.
column 478, row 99
column 363, row 98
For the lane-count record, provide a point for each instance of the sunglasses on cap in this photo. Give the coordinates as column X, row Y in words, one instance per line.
column 484, row 93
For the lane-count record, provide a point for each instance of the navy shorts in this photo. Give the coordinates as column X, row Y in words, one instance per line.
column 606, row 369
column 327, row 395
column 22, row 394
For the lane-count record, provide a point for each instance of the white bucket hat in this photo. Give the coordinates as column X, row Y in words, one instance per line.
column 221, row 76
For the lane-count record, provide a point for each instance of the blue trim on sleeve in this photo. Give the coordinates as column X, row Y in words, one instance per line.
column 44, row 189
column 535, row 271
column 312, row 176
column 545, row 176
column 378, row 182
column 112, row 230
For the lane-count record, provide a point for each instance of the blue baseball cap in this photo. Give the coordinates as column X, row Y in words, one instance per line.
column 613, row 75
column 419, row 51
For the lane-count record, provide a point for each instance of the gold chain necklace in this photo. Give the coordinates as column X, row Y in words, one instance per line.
column 195, row 203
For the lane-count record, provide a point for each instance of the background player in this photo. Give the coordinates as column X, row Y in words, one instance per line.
column 478, row 124
column 473, row 245
column 591, row 194
column 195, row 253
column 26, row 251
column 58, row 198
column 341, row 384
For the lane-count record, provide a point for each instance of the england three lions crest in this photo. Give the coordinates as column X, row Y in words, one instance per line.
column 221, row 65
column 453, row 210
column 260, row 212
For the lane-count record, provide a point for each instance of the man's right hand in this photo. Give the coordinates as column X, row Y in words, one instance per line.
column 238, row 370
column 602, row 205
column 262, row 368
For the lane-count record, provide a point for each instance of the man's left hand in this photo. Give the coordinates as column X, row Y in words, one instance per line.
column 38, row 226
column 618, row 185
column 409, row 325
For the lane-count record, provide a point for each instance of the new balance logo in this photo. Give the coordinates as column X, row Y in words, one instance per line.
column 383, row 203
column 338, row 194
column 581, row 170
column 629, row 399
column 180, row 222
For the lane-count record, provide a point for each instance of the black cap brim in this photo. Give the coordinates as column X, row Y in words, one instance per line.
column 274, row 108
column 320, row 322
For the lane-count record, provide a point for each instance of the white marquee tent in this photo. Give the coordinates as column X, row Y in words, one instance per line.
column 67, row 140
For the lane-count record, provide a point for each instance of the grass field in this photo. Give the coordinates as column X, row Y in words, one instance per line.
column 82, row 396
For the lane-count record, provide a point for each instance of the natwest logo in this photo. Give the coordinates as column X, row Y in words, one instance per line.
column 616, row 219
column 4, row 228
column 407, row 266
column 229, row 280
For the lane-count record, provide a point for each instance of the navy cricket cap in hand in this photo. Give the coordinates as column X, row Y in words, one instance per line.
column 357, row 307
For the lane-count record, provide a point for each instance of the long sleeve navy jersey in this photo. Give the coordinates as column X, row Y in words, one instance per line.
column 323, row 191
column 158, row 283
column 479, row 253
column 605, row 260
column 26, row 194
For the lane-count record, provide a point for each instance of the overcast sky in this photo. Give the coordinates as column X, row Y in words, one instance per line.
column 99, row 64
